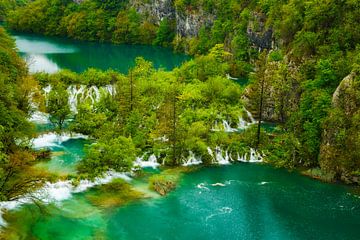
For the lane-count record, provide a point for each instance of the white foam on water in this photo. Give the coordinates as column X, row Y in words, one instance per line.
column 254, row 157
column 39, row 117
column 53, row 139
column 242, row 124
column 191, row 160
column 263, row 183
column 41, row 63
column 218, row 185
column 60, row 191
column 151, row 162
column 202, row 186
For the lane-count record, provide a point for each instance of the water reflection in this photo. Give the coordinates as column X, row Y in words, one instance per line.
column 40, row 63
column 51, row 54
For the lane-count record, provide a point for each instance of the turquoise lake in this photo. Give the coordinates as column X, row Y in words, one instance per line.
column 50, row 54
column 240, row 201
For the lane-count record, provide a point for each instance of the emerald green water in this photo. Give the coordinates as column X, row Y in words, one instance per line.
column 65, row 156
column 241, row 201
column 51, row 54
column 251, row 202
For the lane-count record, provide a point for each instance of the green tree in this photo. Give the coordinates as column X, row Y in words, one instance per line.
column 108, row 154
column 58, row 105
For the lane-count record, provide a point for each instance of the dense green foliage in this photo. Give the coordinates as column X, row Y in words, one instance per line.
column 158, row 112
column 16, row 175
column 58, row 106
column 295, row 53
column 7, row 5
column 90, row 20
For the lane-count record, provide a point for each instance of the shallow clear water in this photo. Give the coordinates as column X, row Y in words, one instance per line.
column 51, row 54
column 243, row 201
column 65, row 156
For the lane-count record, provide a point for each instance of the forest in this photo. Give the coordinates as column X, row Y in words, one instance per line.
column 301, row 61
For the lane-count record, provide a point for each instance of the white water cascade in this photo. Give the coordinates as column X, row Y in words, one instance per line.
column 39, row 117
column 253, row 157
column 223, row 157
column 79, row 94
column 219, row 157
column 191, row 160
column 242, row 124
column 151, row 162
column 53, row 139
column 59, row 191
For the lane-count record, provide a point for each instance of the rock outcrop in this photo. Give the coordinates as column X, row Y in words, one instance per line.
column 340, row 148
column 260, row 36
column 188, row 23
column 155, row 10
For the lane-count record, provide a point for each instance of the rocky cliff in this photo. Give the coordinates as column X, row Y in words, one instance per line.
column 155, row 10
column 188, row 23
column 340, row 153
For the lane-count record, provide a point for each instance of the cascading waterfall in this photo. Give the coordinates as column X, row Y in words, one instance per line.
column 53, row 139
column 219, row 157
column 242, row 124
column 254, row 157
column 151, row 162
column 39, row 117
column 191, row 160
column 59, row 191
column 223, row 157
column 79, row 94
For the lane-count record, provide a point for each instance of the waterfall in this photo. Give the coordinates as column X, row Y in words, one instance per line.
column 254, row 157
column 220, row 157
column 59, row 191
column 242, row 124
column 81, row 93
column 230, row 77
column 39, row 117
column 191, row 160
column 150, row 163
column 53, row 139
column 223, row 157
column 252, row 119
column 228, row 128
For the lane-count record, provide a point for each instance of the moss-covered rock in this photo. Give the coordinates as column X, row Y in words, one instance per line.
column 166, row 181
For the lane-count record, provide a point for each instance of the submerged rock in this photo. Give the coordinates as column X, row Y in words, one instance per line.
column 163, row 187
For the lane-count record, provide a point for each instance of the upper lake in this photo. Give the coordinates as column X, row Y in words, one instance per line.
column 51, row 54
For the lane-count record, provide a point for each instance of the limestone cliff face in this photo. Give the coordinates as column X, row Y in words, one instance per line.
column 155, row 10
column 339, row 153
column 259, row 35
column 345, row 95
column 188, row 23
